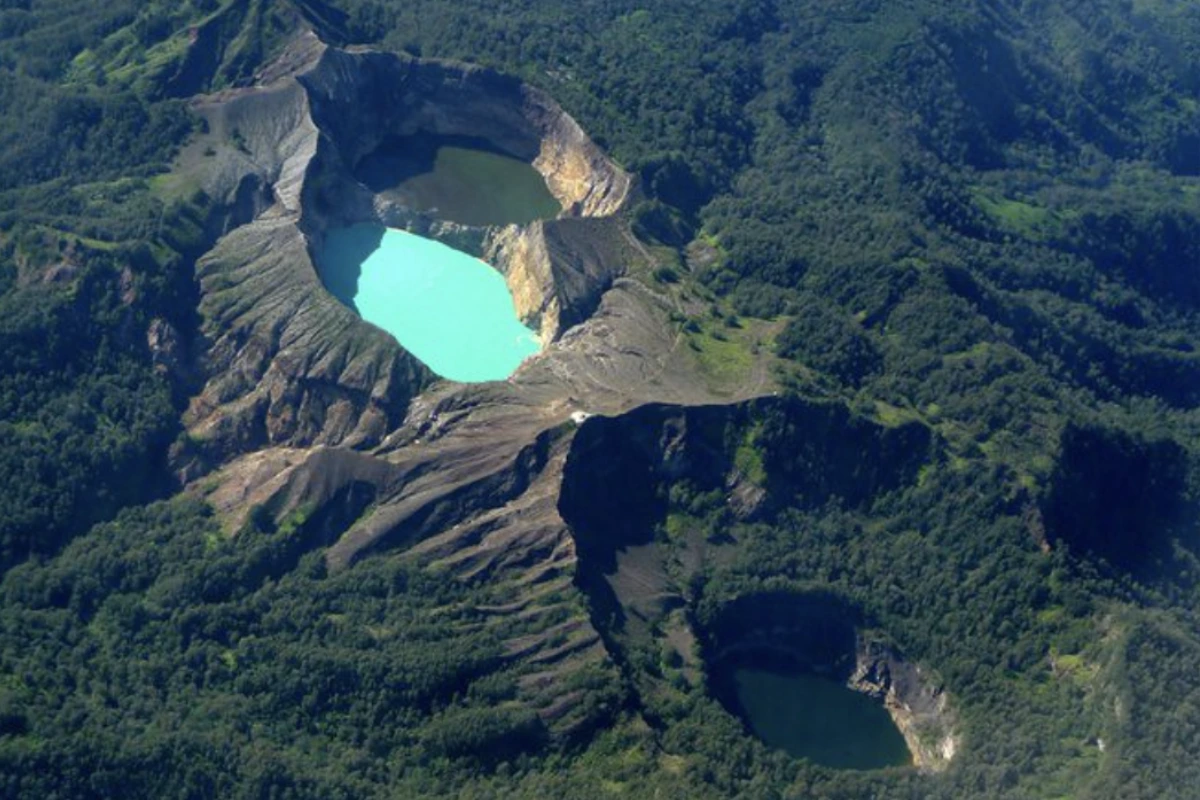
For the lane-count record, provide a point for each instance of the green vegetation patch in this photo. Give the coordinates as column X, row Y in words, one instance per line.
column 1022, row 218
column 726, row 362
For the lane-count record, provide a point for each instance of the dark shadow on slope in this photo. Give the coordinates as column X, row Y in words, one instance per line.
column 340, row 267
column 619, row 475
column 1117, row 496
column 810, row 632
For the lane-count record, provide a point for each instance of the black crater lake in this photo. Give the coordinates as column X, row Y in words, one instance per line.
column 460, row 179
column 450, row 310
column 816, row 718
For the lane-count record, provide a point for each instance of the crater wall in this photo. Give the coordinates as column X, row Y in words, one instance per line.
column 556, row 269
column 360, row 98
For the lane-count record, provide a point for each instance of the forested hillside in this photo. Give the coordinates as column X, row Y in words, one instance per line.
column 981, row 218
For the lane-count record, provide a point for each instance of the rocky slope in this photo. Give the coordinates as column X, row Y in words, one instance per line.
column 915, row 701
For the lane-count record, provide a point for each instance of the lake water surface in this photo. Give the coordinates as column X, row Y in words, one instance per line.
column 449, row 309
column 459, row 179
column 816, row 718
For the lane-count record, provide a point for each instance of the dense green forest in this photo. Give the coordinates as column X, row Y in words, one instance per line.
column 979, row 217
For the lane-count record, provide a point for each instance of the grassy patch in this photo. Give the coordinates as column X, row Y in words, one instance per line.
column 726, row 362
column 1051, row 615
column 679, row 526
column 748, row 459
column 894, row 416
column 1075, row 667
column 1015, row 216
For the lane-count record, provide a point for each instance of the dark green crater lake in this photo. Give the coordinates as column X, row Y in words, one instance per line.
column 460, row 179
column 812, row 717
column 807, row 714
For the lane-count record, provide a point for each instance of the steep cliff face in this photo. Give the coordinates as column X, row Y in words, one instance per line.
column 559, row 269
column 361, row 98
column 576, row 171
column 524, row 254
column 914, row 699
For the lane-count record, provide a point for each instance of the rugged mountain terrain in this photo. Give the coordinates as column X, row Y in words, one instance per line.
column 309, row 413
column 870, row 348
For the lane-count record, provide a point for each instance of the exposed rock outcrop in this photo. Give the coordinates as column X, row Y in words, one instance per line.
column 914, row 700
column 559, row 269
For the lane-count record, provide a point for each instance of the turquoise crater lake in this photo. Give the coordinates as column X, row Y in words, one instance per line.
column 450, row 310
